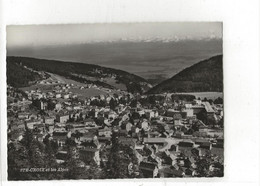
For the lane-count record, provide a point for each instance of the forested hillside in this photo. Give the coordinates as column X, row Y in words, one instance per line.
column 205, row 76
column 132, row 82
column 18, row 76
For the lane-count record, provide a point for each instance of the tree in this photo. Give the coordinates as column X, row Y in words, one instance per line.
column 112, row 104
column 29, row 153
column 71, row 161
column 221, row 122
column 133, row 103
column 203, row 164
column 219, row 100
column 50, row 105
column 17, row 159
column 202, row 115
column 135, row 115
column 92, row 172
column 33, row 148
column 114, row 168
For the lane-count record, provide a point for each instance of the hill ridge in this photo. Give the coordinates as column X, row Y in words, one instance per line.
column 132, row 82
column 204, row 76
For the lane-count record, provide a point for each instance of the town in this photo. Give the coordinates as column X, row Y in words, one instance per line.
column 117, row 134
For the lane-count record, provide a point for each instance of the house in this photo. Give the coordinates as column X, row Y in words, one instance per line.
column 177, row 122
column 186, row 147
column 61, row 156
column 50, row 128
column 48, row 120
column 33, row 117
column 58, row 106
column 39, row 137
column 87, row 136
column 32, row 123
column 62, row 118
column 178, row 134
column 112, row 115
column 87, row 155
column 174, row 148
column 167, row 157
column 205, row 145
column 60, row 138
column 190, row 172
column 106, row 132
column 188, row 112
column 173, row 113
column 43, row 105
column 58, row 95
column 149, row 114
column 138, row 156
column 90, row 122
column 218, row 150
column 77, row 127
column 210, row 111
column 128, row 126
column 17, row 127
column 170, row 173
column 145, row 125
column 196, row 151
column 104, row 140
column 66, row 96
column 183, row 144
column 158, row 141
column 23, row 115
column 74, row 96
column 149, row 170
column 39, row 127
column 155, row 159
column 127, row 141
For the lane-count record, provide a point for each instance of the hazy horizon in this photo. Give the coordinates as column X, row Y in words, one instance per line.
column 150, row 50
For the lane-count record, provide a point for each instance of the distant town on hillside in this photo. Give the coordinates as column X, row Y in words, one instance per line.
column 115, row 101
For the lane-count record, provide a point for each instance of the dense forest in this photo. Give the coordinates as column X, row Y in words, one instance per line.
column 41, row 157
column 133, row 82
column 205, row 76
column 17, row 76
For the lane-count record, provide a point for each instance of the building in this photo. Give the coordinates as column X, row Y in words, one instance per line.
column 149, row 170
column 62, row 118
column 58, row 95
column 106, row 132
column 32, row 123
column 155, row 141
column 87, row 155
column 66, row 96
column 48, row 120
column 23, row 115
column 58, row 106
column 60, row 138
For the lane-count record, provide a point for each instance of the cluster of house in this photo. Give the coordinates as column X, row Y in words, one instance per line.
column 167, row 142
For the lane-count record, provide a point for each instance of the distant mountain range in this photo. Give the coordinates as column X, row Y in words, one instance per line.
column 19, row 76
column 205, row 76
column 159, row 39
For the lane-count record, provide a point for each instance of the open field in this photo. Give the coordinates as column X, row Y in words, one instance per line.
column 84, row 93
column 43, row 88
column 88, row 92
column 202, row 95
column 106, row 80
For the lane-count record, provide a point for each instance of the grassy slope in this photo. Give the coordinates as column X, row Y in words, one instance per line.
column 131, row 81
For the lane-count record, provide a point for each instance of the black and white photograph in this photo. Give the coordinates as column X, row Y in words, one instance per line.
column 115, row 101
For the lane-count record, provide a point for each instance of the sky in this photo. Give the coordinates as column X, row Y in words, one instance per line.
column 73, row 34
column 124, row 46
